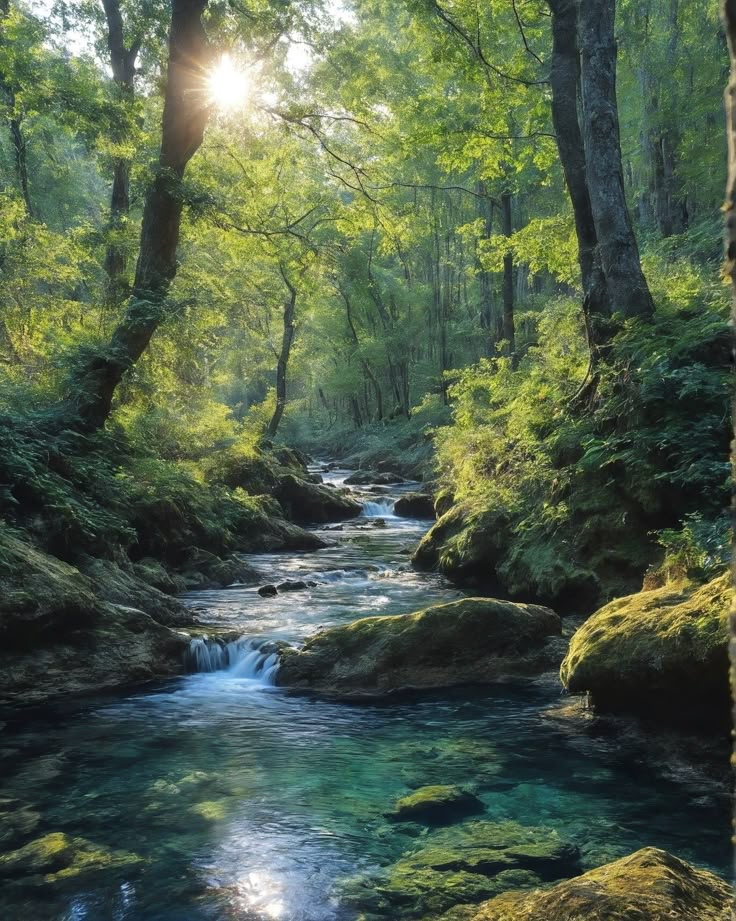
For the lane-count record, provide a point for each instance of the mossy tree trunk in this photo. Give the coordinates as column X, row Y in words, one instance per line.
column 282, row 365
column 565, row 85
column 627, row 288
column 186, row 110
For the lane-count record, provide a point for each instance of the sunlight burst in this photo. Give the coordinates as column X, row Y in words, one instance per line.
column 227, row 84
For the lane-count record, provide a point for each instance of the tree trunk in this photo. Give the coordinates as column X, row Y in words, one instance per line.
column 184, row 120
column 565, row 85
column 507, row 229
column 283, row 361
column 365, row 364
column 15, row 123
column 627, row 288
column 123, row 62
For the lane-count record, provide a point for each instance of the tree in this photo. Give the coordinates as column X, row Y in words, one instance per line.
column 627, row 288
column 185, row 115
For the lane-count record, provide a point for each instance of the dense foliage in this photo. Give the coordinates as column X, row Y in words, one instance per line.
column 380, row 245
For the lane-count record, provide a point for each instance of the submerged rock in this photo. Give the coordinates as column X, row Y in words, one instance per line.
column 436, row 804
column 374, row 477
column 292, row 586
column 466, row 864
column 415, row 505
column 650, row 885
column 56, row 857
column 472, row 641
column 663, row 650
column 59, row 636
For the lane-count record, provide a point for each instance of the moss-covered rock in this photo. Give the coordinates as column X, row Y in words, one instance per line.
column 476, row 546
column 472, row 641
column 59, row 636
column 650, row 885
column 435, row 804
column 415, row 505
column 666, row 648
column 56, row 857
column 466, row 864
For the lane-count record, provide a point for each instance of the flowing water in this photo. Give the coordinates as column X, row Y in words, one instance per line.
column 235, row 801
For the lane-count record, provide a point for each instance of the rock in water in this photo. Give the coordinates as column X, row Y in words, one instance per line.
column 650, row 885
column 268, row 591
column 415, row 505
column 436, row 804
column 472, row 641
column 663, row 650
column 309, row 502
column 466, row 864
column 292, row 586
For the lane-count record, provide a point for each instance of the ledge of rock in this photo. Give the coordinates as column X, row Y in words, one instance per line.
column 472, row 641
column 311, row 502
column 650, row 885
column 60, row 637
column 663, row 649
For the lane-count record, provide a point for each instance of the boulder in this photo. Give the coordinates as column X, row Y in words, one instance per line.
column 206, row 570
column 664, row 650
column 293, row 586
column 435, row 805
column 372, row 477
column 268, row 591
column 649, row 885
column 465, row 864
column 415, row 505
column 310, row 502
column 59, row 636
column 476, row 546
column 472, row 641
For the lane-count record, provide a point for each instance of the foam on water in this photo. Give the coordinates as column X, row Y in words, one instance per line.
column 243, row 658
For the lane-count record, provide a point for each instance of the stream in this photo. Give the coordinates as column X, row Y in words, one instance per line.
column 237, row 801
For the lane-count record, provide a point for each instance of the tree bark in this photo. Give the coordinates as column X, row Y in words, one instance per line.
column 509, row 331
column 184, row 120
column 627, row 288
column 287, row 339
column 123, row 63
column 565, row 85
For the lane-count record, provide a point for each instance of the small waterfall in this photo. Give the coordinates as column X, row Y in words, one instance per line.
column 243, row 658
column 380, row 507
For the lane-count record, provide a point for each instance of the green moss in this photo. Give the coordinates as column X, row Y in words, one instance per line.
column 435, row 803
column 465, row 863
column 649, row 885
column 665, row 645
column 474, row 640
column 58, row 857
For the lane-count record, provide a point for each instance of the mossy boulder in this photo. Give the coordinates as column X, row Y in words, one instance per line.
column 650, row 885
column 466, row 864
column 477, row 546
column 56, row 857
column 415, row 505
column 665, row 650
column 435, row 804
column 472, row 641
column 59, row 636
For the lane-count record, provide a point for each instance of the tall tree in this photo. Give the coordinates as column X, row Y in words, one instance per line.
column 565, row 85
column 123, row 62
column 627, row 288
column 185, row 115
column 15, row 121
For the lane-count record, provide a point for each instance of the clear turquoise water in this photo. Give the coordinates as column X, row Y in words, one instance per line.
column 244, row 803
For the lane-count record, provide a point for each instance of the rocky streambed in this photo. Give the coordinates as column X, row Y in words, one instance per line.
column 401, row 769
